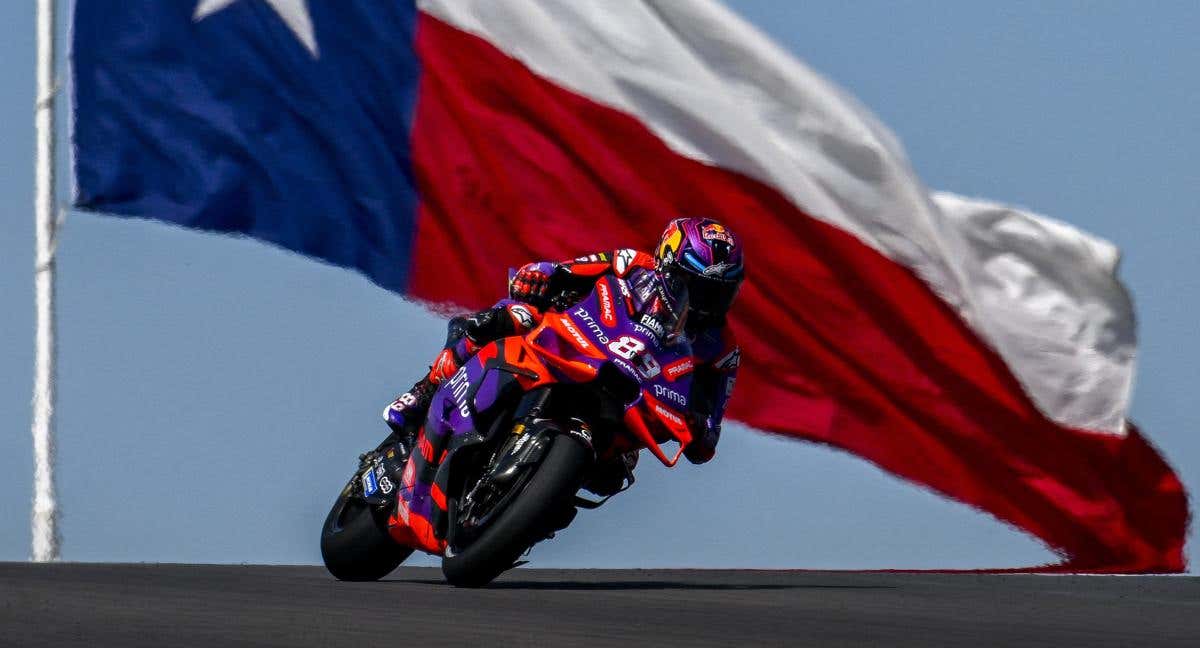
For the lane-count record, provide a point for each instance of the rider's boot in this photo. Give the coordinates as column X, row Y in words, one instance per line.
column 407, row 413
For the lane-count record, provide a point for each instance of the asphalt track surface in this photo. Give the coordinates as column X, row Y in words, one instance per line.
column 220, row 605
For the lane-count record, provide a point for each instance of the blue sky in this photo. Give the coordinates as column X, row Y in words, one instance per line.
column 214, row 392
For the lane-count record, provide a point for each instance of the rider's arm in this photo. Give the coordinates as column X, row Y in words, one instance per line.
column 712, row 386
column 507, row 317
column 540, row 282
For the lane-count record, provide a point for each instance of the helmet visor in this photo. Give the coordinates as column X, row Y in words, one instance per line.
column 712, row 297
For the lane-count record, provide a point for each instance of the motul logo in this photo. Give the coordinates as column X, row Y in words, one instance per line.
column 566, row 322
column 668, row 414
column 678, row 368
column 606, row 304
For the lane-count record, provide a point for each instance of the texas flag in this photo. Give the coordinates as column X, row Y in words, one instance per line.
column 981, row 351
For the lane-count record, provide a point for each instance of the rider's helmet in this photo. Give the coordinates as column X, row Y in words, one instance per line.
column 705, row 257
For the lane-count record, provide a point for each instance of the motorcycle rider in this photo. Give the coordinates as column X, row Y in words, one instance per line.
column 697, row 258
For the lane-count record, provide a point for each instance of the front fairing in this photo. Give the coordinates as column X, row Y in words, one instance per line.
column 606, row 328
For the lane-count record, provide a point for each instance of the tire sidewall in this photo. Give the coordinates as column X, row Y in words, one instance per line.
column 553, row 484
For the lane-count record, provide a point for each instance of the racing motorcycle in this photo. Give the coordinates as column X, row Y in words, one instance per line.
column 514, row 436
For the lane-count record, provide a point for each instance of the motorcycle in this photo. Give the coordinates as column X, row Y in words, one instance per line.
column 514, row 436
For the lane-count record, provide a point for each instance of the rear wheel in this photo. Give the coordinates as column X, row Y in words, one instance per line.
column 355, row 544
column 546, row 499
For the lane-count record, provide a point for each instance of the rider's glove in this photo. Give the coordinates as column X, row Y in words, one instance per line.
column 706, row 431
column 531, row 284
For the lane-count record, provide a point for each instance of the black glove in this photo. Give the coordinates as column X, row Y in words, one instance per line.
column 706, row 432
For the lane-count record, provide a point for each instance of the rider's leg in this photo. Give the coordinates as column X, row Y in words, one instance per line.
column 411, row 406
column 464, row 336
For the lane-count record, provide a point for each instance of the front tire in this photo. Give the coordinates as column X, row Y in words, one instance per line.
column 355, row 544
column 525, row 521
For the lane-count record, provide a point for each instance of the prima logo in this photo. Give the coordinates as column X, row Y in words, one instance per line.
column 646, row 333
column 459, row 384
column 590, row 322
column 671, row 395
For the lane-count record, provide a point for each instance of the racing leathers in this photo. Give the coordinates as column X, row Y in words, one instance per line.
column 540, row 285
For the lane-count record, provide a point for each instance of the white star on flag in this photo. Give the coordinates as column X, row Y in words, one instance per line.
column 293, row 12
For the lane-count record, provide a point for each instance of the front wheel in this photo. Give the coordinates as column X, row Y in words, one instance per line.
column 525, row 520
column 355, row 544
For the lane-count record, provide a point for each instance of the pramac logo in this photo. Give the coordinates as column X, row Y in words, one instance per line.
column 607, row 315
column 678, row 368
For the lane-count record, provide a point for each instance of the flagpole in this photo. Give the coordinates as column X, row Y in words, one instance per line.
column 45, row 505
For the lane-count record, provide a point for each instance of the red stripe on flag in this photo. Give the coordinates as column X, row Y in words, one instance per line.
column 841, row 345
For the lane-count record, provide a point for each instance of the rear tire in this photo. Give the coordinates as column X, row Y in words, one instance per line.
column 530, row 515
column 355, row 544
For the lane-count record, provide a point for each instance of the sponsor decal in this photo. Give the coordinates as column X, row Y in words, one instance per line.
column 716, row 232
column 626, row 294
column 369, row 483
column 731, row 361
column 521, row 316
column 623, row 260
column 582, row 433
column 592, row 258
column 645, row 332
column 645, row 290
column 653, row 325
column 680, row 367
column 402, row 509
column 405, row 401
column 443, row 363
column 667, row 414
column 623, row 286
column 625, row 365
column 671, row 395
column 566, row 322
column 410, row 474
column 604, row 294
column 459, row 385
column 521, row 441
column 718, row 269
column 590, row 322
column 386, row 485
